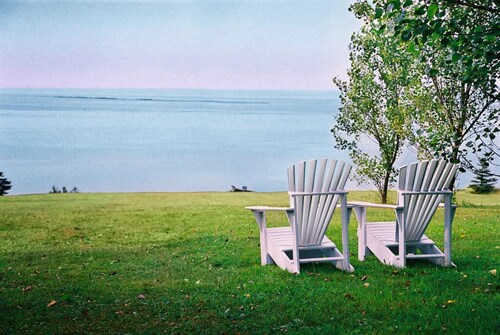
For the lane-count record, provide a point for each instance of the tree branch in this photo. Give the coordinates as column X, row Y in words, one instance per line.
column 447, row 110
column 474, row 169
column 473, row 5
column 478, row 116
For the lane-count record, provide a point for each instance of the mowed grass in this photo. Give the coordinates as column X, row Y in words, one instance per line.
column 189, row 263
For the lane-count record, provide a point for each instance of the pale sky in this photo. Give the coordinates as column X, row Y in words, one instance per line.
column 226, row 44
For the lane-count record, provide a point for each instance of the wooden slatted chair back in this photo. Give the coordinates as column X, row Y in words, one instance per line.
column 426, row 176
column 314, row 212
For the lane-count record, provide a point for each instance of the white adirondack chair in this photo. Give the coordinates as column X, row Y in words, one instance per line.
column 314, row 188
column 421, row 188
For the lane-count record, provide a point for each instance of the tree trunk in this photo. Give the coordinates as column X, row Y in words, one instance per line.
column 454, row 157
column 385, row 187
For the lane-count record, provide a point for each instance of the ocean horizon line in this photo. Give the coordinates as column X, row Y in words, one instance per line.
column 158, row 100
column 324, row 90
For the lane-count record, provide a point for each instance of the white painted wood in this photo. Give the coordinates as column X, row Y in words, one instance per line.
column 315, row 189
column 422, row 186
column 316, row 202
column 291, row 181
column 267, row 208
column 260, row 216
column 345, row 213
column 360, row 212
column 369, row 204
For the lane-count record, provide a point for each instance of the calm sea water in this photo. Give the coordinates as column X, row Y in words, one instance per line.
column 160, row 140
column 164, row 140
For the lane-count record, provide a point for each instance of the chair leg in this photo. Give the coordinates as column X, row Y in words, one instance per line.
column 449, row 212
column 432, row 249
column 345, row 215
column 401, row 261
column 361, row 217
column 260, row 217
column 295, row 243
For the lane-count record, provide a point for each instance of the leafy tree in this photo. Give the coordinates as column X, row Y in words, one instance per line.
column 467, row 31
column 374, row 103
column 458, row 46
column 5, row 185
column 484, row 182
column 453, row 118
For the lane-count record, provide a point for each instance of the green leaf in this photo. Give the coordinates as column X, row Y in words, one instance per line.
column 406, row 35
column 396, row 4
column 456, row 57
column 378, row 12
column 435, row 36
column 490, row 56
column 490, row 38
column 381, row 29
column 432, row 10
column 411, row 48
column 431, row 73
column 420, row 10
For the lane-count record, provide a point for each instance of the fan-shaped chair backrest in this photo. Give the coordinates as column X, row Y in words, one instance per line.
column 314, row 212
column 426, row 176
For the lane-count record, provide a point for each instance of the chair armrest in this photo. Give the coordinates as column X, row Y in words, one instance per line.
column 453, row 206
column 370, row 204
column 267, row 209
column 426, row 192
column 298, row 194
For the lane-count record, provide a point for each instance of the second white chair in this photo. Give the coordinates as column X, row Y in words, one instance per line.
column 421, row 188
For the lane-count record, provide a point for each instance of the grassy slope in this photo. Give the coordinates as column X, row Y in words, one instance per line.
column 189, row 263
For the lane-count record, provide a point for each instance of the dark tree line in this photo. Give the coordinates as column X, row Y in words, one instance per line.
column 5, row 185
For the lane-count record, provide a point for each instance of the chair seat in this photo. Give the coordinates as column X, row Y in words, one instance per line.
column 381, row 241
column 282, row 238
column 385, row 233
column 280, row 246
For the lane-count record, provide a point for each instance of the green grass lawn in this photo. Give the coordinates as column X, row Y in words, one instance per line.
column 189, row 263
